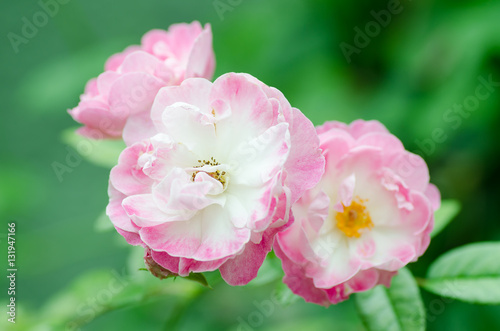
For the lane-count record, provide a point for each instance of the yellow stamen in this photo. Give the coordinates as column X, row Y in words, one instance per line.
column 354, row 218
column 218, row 174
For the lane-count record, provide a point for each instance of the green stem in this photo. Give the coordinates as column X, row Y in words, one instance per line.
column 172, row 323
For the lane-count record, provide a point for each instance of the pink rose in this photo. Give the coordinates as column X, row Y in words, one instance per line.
column 370, row 215
column 118, row 101
column 215, row 183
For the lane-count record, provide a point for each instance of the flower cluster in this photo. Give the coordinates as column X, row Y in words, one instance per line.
column 217, row 174
column 118, row 102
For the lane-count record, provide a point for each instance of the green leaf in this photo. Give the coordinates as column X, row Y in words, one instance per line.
column 100, row 152
column 98, row 292
column 469, row 273
column 444, row 215
column 396, row 308
column 199, row 278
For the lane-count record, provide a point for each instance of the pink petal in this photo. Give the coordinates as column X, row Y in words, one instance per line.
column 242, row 268
column 411, row 168
column 296, row 280
column 194, row 91
column 182, row 266
column 305, row 165
column 116, row 213
column 208, row 236
column 131, row 237
column 201, row 61
column 251, row 111
column 189, row 125
column 133, row 93
column 127, row 176
column 142, row 209
column 434, row 196
column 359, row 128
column 345, row 193
column 138, row 127
column 115, row 61
column 260, row 159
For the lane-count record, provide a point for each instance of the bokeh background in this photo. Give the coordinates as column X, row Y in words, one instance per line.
column 429, row 58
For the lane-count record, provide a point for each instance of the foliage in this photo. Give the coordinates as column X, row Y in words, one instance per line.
column 429, row 58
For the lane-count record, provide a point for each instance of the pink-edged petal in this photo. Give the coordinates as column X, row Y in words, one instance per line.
column 346, row 191
column 128, row 176
column 337, row 294
column 392, row 249
column 432, row 193
column 188, row 125
column 260, row 159
column 242, row 268
column 296, row 280
column 251, row 111
column 143, row 210
column 305, row 165
column 250, row 206
column 201, row 62
column 336, row 268
column 168, row 262
column 359, row 128
column 398, row 187
column 278, row 213
column 300, row 241
column 317, row 210
column 167, row 155
column 133, row 93
column 363, row 280
column 426, row 237
column 181, row 38
column 335, row 147
column 105, row 81
column 186, row 266
column 91, row 89
column 356, row 129
column 383, row 140
column 411, row 168
column 131, row 237
column 102, row 120
column 293, row 242
column 209, row 235
column 115, row 61
column 385, row 277
column 154, row 42
column 97, row 103
column 330, row 125
column 194, row 91
column 138, row 127
column 180, row 198
column 116, row 213
column 140, row 62
column 182, row 266
column 417, row 219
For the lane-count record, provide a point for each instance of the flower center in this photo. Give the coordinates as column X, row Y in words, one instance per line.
column 354, row 218
column 218, row 174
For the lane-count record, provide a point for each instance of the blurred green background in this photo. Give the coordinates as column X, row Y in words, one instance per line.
column 430, row 57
